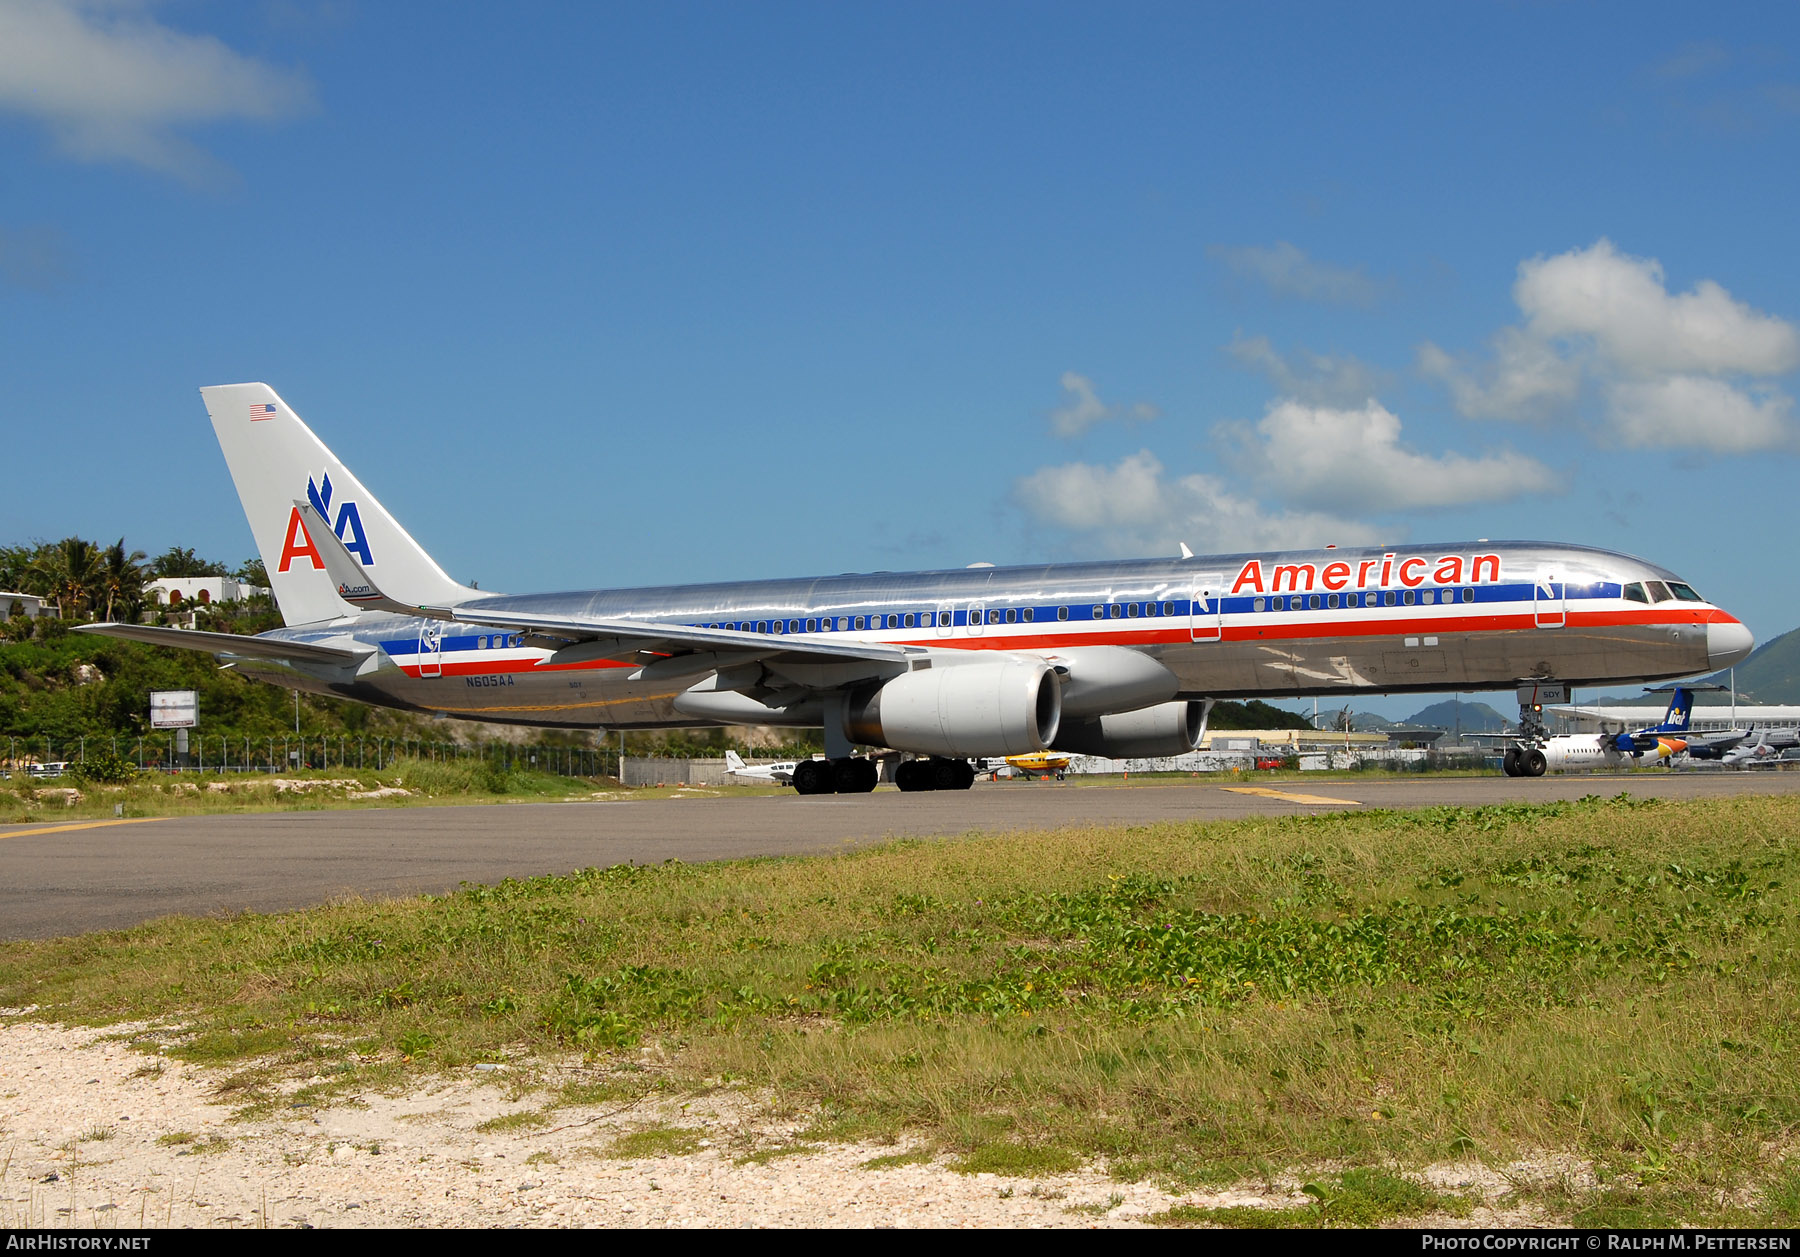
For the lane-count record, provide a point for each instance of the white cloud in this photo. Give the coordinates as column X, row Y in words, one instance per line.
column 1670, row 368
column 1323, row 379
column 1638, row 327
column 1697, row 411
column 1288, row 272
column 1133, row 508
column 1528, row 377
column 1351, row 459
column 1083, row 408
column 112, row 83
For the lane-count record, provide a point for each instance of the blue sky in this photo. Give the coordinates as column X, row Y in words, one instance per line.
column 608, row 295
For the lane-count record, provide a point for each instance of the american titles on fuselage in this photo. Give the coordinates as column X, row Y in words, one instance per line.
column 1412, row 572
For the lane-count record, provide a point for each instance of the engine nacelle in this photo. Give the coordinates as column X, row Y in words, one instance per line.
column 1166, row 729
column 1102, row 679
column 1007, row 707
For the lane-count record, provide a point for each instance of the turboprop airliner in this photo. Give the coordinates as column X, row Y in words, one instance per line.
column 1120, row 659
column 1614, row 748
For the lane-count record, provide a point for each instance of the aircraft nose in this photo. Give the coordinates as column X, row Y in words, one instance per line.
column 1728, row 643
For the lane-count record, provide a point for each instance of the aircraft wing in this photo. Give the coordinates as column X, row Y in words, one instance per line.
column 625, row 639
column 228, row 643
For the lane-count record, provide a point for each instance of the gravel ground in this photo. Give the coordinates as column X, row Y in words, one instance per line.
column 95, row 1132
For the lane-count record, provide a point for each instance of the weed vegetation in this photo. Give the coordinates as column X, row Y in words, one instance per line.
column 1345, row 998
column 103, row 794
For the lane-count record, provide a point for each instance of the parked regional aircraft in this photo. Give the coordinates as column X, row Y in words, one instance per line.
column 1120, row 659
column 1608, row 749
column 780, row 774
column 1038, row 764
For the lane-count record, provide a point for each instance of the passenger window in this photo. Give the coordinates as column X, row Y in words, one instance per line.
column 1027, row 615
column 862, row 622
column 1468, row 595
column 1684, row 592
column 1658, row 591
column 1099, row 613
column 908, row 621
column 1259, row 603
column 1407, row 597
column 812, row 626
column 843, row 623
column 1387, row 598
column 1428, row 597
column 1331, row 601
column 1113, row 611
column 1131, row 610
column 1062, row 613
column 1149, row 608
column 1312, row 603
column 1012, row 615
column 1275, row 604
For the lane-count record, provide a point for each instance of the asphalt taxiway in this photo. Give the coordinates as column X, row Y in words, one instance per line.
column 74, row 877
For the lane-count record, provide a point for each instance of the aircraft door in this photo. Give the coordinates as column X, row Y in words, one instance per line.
column 1206, row 612
column 431, row 649
column 1548, row 607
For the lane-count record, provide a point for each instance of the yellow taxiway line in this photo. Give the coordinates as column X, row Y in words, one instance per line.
column 1289, row 797
column 59, row 829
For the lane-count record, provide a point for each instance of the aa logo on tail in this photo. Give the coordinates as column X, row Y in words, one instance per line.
column 349, row 528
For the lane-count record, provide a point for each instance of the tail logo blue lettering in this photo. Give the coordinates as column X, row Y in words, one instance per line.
column 349, row 526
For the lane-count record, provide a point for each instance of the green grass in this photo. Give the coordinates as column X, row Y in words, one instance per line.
column 526, row 1120
column 654, row 1141
column 894, row 1160
column 1185, row 1003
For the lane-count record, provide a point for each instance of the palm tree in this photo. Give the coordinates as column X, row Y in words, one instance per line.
column 122, row 581
column 176, row 561
column 76, row 575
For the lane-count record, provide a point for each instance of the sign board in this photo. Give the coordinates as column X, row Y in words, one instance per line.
column 174, row 709
column 1537, row 695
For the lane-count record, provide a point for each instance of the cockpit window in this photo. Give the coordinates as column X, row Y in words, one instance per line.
column 1635, row 593
column 1658, row 591
column 1684, row 592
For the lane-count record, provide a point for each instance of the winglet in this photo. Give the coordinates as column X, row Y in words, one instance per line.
column 354, row 584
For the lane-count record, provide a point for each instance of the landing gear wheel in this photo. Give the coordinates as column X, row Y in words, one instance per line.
column 944, row 774
column 1535, row 763
column 814, row 776
column 914, row 774
column 1509, row 762
column 855, row 776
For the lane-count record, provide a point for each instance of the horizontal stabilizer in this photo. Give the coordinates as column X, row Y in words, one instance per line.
column 227, row 643
column 354, row 585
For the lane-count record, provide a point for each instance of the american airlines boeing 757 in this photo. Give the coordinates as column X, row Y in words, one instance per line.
column 1119, row 659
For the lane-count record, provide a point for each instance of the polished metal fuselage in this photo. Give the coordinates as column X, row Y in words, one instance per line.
column 1225, row 625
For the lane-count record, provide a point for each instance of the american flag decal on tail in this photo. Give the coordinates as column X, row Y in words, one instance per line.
column 262, row 410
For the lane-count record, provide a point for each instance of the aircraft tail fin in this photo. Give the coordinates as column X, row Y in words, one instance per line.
column 1681, row 704
column 733, row 761
column 274, row 459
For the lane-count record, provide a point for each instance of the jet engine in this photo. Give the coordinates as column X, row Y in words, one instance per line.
column 1008, row 707
column 1150, row 733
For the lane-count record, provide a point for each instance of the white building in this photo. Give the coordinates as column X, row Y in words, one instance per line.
column 177, row 590
column 30, row 604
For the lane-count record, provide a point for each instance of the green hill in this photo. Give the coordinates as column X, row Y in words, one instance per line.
column 1771, row 674
column 1469, row 717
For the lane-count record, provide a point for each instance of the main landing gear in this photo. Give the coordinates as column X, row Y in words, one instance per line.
column 847, row 775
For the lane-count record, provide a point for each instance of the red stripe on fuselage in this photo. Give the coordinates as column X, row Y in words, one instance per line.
column 1180, row 634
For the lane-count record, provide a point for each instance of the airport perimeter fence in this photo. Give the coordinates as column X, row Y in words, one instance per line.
column 220, row 753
